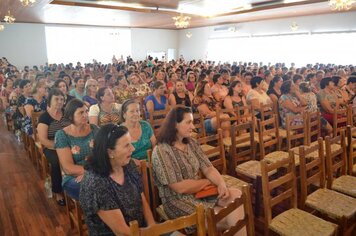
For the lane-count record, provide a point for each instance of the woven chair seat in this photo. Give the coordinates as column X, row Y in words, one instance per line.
column 207, row 147
column 295, row 222
column 161, row 213
column 233, row 182
column 315, row 154
column 251, row 169
column 345, row 184
column 354, row 169
column 276, row 156
column 227, row 143
column 332, row 203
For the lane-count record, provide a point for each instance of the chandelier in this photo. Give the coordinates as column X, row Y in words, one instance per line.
column 341, row 4
column 9, row 18
column 25, row 3
column 181, row 21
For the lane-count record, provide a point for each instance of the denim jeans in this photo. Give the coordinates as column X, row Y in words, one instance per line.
column 72, row 189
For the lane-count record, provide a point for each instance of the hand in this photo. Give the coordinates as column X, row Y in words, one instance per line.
column 223, row 191
column 79, row 178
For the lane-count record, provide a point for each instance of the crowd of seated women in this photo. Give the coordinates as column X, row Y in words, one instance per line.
column 94, row 160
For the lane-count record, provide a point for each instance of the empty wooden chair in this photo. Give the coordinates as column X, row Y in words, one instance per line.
column 313, row 127
column 297, row 134
column 340, row 120
column 196, row 219
column 199, row 126
column 332, row 205
column 336, row 167
column 75, row 214
column 292, row 221
column 214, row 218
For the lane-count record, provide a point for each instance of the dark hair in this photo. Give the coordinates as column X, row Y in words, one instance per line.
column 351, row 79
column 309, row 76
column 286, row 86
column 76, row 79
column 216, row 77
column 248, row 74
column 255, row 81
column 71, row 107
column 232, row 86
column 199, row 91
column 325, row 82
column 336, row 79
column 273, row 82
column 24, row 82
column 168, row 131
column 100, row 93
column 267, row 73
column 297, row 77
column 304, row 87
column 105, row 139
column 157, row 84
column 125, row 106
column 108, row 77
column 53, row 92
column 58, row 81
column 6, row 81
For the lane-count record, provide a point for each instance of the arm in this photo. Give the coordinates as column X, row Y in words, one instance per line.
column 326, row 106
column 302, row 100
column 115, row 220
column 290, row 106
column 273, row 98
column 150, row 107
column 214, row 176
column 153, row 141
column 172, row 100
column 66, row 160
column 228, row 102
column 147, row 211
column 255, row 103
column 28, row 110
column 205, row 111
column 93, row 120
column 189, row 186
column 42, row 130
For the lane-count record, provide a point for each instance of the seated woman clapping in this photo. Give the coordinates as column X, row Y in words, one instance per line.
column 178, row 161
column 112, row 192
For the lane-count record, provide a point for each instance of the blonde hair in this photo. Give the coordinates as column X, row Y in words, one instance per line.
column 37, row 85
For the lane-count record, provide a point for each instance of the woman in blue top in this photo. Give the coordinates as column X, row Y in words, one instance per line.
column 156, row 101
column 73, row 145
column 141, row 131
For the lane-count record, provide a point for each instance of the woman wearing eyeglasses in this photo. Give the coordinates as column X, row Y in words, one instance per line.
column 111, row 193
column 73, row 145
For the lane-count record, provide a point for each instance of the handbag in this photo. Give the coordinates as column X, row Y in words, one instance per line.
column 208, row 191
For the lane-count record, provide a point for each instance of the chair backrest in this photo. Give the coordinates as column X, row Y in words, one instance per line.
column 214, row 218
column 351, row 151
column 244, row 113
column 335, row 157
column 199, row 125
column 296, row 133
column 268, row 128
column 34, row 119
column 230, row 115
column 144, row 171
column 266, row 111
column 286, row 179
column 314, row 126
column 213, row 148
column 340, row 120
column 312, row 170
column 154, row 197
column 242, row 138
column 197, row 219
column 156, row 119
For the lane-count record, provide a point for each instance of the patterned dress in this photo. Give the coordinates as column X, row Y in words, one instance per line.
column 171, row 165
column 144, row 143
column 284, row 112
column 106, row 117
column 37, row 107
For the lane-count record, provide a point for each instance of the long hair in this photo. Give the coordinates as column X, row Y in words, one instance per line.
column 105, row 139
column 168, row 131
column 232, row 86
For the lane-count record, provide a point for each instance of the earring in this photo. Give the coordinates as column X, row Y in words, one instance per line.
column 111, row 157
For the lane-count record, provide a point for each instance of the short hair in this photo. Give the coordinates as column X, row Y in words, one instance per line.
column 216, row 77
column 7, row 80
column 87, row 83
column 304, row 87
column 157, row 84
column 101, row 93
column 232, row 86
column 125, row 106
column 58, row 81
column 53, row 92
column 297, row 77
column 107, row 77
column 168, row 131
column 309, row 76
column 336, row 79
column 351, row 79
column 76, row 79
column 286, row 86
column 36, row 85
column 255, row 81
column 105, row 138
column 248, row 74
column 325, row 82
column 23, row 83
column 273, row 82
column 267, row 73
column 71, row 107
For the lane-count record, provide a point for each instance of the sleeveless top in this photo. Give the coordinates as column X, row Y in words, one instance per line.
column 182, row 101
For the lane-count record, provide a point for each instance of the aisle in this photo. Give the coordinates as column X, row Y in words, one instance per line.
column 24, row 208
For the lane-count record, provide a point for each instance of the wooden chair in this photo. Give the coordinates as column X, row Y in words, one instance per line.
column 41, row 160
column 214, row 218
column 313, row 127
column 336, row 167
column 156, row 119
column 340, row 120
column 244, row 113
column 331, row 205
column 199, row 126
column 75, row 214
column 196, row 219
column 297, row 134
column 351, row 150
column 292, row 221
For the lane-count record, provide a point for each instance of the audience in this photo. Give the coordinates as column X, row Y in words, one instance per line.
column 156, row 101
column 91, row 88
column 111, row 193
column 180, row 96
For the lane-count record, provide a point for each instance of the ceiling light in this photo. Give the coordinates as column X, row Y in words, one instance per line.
column 341, row 4
column 2, row 27
column 189, row 35
column 232, row 29
column 294, row 26
column 26, row 3
column 9, row 18
column 181, row 21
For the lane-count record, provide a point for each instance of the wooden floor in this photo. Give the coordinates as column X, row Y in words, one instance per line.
column 24, row 208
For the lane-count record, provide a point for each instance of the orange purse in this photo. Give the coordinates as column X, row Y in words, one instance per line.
column 208, row 191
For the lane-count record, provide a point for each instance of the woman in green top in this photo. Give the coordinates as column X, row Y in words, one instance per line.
column 73, row 145
column 141, row 131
